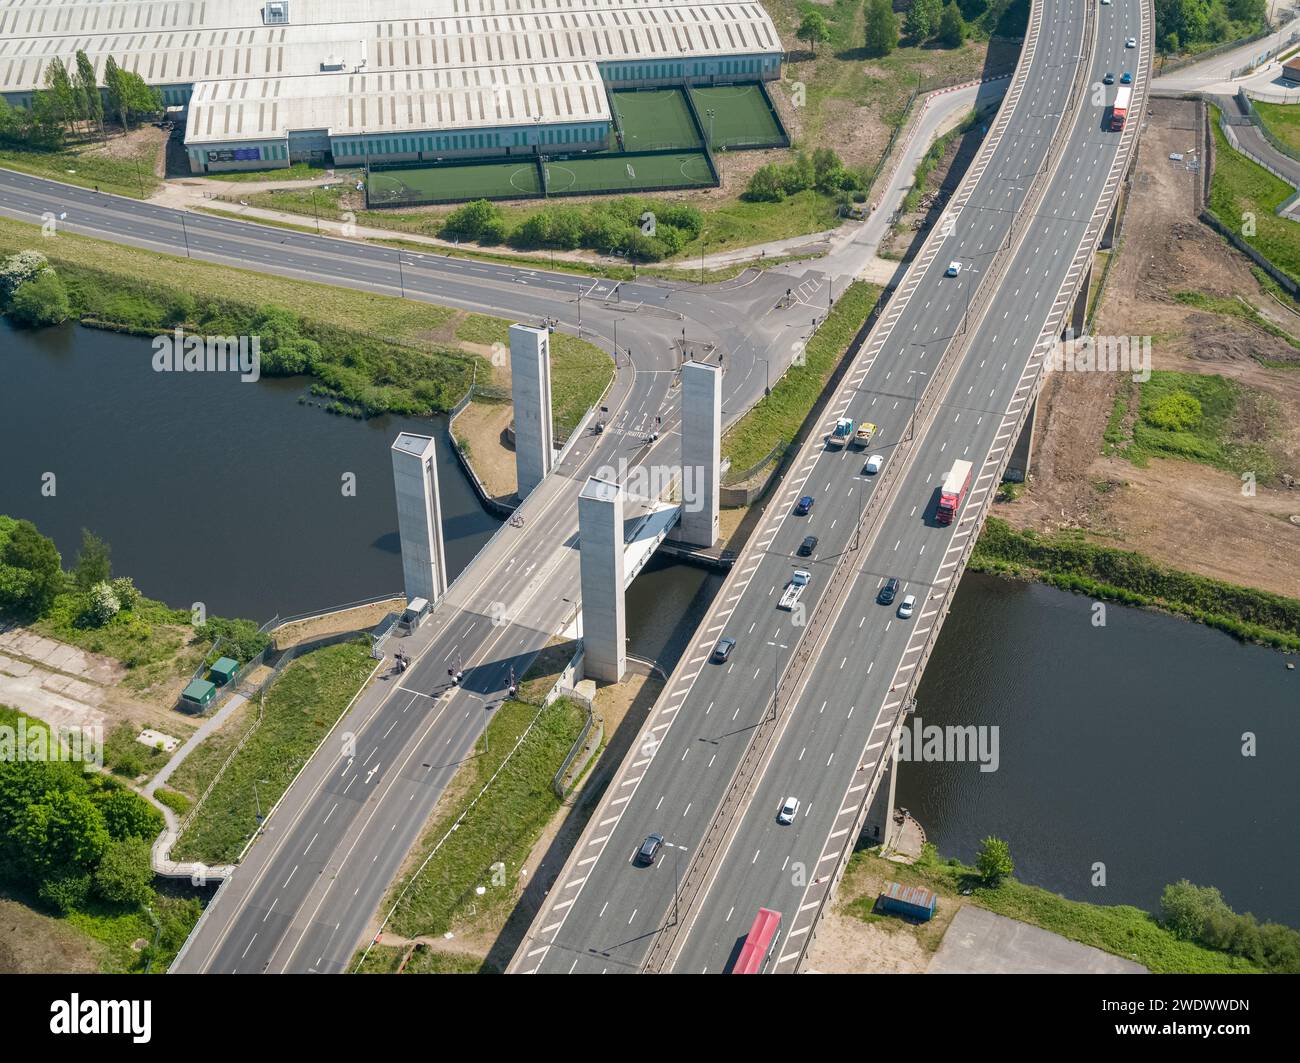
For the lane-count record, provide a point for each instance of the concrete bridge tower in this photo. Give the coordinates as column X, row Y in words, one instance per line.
column 701, row 452
column 604, row 625
column 530, row 391
column 419, row 517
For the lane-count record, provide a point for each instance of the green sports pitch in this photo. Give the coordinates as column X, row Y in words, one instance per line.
column 655, row 120
column 628, row 173
column 496, row 180
column 741, row 117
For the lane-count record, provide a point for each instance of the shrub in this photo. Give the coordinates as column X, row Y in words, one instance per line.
column 41, row 301
column 124, row 875
column 994, row 861
column 101, row 605
column 1178, row 411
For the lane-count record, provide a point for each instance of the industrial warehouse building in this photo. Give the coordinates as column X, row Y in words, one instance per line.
column 270, row 82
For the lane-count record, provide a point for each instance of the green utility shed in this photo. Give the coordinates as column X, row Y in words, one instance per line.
column 223, row 671
column 199, row 694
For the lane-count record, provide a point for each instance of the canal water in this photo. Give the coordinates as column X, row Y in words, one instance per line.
column 1118, row 745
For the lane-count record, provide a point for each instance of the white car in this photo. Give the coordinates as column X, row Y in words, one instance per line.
column 1105, row 3
column 953, row 269
column 788, row 810
column 874, row 464
column 906, row 606
column 1131, row 42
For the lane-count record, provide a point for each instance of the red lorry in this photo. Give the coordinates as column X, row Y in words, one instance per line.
column 954, row 488
column 1119, row 110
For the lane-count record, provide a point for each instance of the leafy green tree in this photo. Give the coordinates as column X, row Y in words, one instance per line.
column 882, row 28
column 88, row 87
column 65, row 892
column 952, row 28
column 61, row 834
column 813, row 29
column 922, row 20
column 31, row 573
column 127, row 815
column 94, row 565
column 41, row 301
column 63, row 94
column 994, row 860
column 116, row 91
column 124, row 875
column 1187, row 910
column 18, row 268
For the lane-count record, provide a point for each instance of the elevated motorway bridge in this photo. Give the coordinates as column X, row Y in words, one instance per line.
column 950, row 372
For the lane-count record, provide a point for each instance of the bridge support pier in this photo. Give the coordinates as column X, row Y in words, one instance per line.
column 530, row 392
column 600, row 538
column 419, row 517
column 1078, row 319
column 879, row 827
column 701, row 452
column 1017, row 470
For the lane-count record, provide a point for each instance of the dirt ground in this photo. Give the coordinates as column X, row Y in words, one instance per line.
column 361, row 618
column 848, row 944
column 32, row 943
column 483, row 426
column 1185, row 514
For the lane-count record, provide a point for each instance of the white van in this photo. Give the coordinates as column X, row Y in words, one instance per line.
column 413, row 615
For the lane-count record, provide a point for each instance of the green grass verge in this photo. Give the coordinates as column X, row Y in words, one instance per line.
column 1069, row 561
column 301, row 706
column 1282, row 120
column 385, row 959
column 497, row 831
column 1241, row 191
column 131, row 174
column 298, row 171
column 1121, row 929
column 777, row 417
column 1243, row 311
column 1237, row 428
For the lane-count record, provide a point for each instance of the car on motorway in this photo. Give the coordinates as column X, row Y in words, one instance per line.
column 808, row 545
column 723, row 649
column 874, row 464
column 889, row 591
column 804, row 506
column 645, row 856
column 906, row 606
column 1131, row 42
column 788, row 810
column 953, row 269
column 1126, row 78
column 1108, row 78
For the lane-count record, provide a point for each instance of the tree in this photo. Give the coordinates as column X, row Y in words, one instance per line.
column 62, row 834
column 994, row 861
column 88, row 87
column 101, row 605
column 31, row 573
column 813, row 29
column 116, row 91
column 952, row 28
column 19, row 268
column 1188, row 910
column 93, row 562
column 922, row 20
column 41, row 301
column 882, row 28
column 124, row 875
column 127, row 815
column 63, row 95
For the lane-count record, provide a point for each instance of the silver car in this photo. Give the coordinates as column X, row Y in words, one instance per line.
column 906, row 606
column 788, row 811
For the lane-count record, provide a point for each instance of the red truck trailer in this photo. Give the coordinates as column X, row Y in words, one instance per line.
column 954, row 488
column 1119, row 109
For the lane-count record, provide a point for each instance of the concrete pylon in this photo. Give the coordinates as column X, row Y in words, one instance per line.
column 530, row 391
column 701, row 452
column 419, row 517
column 600, row 537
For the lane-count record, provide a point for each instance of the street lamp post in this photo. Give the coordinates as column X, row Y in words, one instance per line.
column 915, row 374
column 401, row 275
column 777, row 647
column 185, row 232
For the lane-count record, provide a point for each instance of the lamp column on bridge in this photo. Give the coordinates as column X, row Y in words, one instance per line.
column 701, row 452
column 419, row 517
column 600, row 537
column 530, row 392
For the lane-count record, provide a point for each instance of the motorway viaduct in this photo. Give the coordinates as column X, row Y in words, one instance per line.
column 813, row 710
column 305, row 892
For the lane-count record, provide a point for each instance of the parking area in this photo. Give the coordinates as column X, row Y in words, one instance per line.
column 981, row 942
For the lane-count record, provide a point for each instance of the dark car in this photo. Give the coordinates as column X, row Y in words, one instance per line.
column 723, row 649
column 1126, row 78
column 888, row 591
column 804, row 506
column 1109, row 79
column 807, row 547
column 645, row 856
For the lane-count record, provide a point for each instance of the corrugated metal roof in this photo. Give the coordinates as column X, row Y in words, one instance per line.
column 387, row 103
column 917, row 895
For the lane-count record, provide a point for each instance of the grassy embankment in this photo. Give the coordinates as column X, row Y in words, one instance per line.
column 377, row 352
column 127, row 172
column 1282, row 120
column 1069, row 561
column 1240, row 189
column 777, row 417
column 1122, row 930
column 301, row 706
